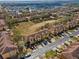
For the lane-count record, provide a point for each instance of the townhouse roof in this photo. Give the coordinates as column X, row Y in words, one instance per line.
column 6, row 45
column 2, row 22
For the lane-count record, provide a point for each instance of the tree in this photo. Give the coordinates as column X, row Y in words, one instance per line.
column 51, row 54
column 47, row 25
column 10, row 21
column 17, row 38
column 21, row 48
column 16, row 35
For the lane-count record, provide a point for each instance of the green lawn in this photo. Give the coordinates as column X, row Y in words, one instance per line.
column 50, row 54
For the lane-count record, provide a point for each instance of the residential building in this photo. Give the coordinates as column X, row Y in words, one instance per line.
column 37, row 36
column 7, row 48
column 2, row 24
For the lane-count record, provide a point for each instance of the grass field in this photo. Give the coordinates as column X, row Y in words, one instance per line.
column 27, row 28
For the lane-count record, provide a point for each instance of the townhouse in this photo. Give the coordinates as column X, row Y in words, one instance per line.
column 2, row 24
column 37, row 36
column 55, row 29
column 52, row 28
column 60, row 27
column 7, row 47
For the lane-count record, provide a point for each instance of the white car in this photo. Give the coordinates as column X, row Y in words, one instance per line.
column 27, row 55
column 59, row 46
column 69, row 33
column 77, row 35
column 54, row 49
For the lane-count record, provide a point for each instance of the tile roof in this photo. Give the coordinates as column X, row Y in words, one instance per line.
column 2, row 22
column 5, row 44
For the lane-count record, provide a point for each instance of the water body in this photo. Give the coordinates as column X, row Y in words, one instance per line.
column 33, row 5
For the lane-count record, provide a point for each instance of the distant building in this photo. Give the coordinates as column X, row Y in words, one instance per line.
column 1, row 8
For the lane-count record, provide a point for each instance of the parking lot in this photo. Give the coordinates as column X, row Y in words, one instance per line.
column 64, row 36
column 46, row 42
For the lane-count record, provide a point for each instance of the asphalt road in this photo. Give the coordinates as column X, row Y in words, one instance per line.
column 48, row 47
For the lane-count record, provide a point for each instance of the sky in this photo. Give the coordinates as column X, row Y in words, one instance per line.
column 35, row 0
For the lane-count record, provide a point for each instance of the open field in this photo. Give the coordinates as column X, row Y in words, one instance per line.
column 27, row 28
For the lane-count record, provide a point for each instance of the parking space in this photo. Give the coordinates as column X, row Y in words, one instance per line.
column 58, row 47
column 77, row 28
column 46, row 42
column 77, row 35
column 40, row 46
column 53, row 40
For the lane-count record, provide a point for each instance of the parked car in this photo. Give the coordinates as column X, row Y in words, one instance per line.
column 26, row 56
